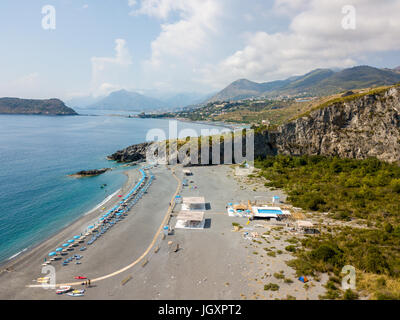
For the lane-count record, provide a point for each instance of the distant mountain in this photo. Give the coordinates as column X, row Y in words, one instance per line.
column 130, row 101
column 396, row 69
column 317, row 82
column 30, row 106
column 82, row 102
column 243, row 88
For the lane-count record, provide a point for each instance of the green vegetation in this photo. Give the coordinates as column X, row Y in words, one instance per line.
column 366, row 190
column 348, row 188
column 235, row 224
column 290, row 248
column 271, row 286
column 279, row 275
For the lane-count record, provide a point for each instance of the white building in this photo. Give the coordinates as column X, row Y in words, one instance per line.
column 190, row 220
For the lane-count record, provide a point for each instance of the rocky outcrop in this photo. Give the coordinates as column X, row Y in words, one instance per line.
column 90, row 173
column 353, row 127
column 133, row 153
column 38, row 107
column 368, row 126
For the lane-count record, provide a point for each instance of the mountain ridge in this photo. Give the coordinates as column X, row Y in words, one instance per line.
column 316, row 83
column 128, row 100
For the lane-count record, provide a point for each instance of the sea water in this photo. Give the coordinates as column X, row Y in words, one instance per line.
column 37, row 153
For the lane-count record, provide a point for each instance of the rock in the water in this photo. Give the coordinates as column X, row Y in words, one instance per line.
column 90, row 173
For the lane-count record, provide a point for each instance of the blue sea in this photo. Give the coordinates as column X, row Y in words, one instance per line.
column 37, row 198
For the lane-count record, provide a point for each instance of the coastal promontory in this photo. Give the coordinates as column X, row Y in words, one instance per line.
column 33, row 106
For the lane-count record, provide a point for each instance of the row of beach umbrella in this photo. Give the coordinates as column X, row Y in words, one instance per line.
column 119, row 213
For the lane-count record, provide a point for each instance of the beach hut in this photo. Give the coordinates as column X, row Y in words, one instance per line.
column 193, row 204
column 190, row 220
column 275, row 199
column 305, row 226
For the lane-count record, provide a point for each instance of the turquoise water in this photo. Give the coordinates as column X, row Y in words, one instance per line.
column 269, row 211
column 37, row 198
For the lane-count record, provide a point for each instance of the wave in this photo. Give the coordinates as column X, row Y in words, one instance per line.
column 17, row 254
column 103, row 202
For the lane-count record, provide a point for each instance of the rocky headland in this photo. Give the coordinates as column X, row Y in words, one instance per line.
column 51, row 107
column 357, row 126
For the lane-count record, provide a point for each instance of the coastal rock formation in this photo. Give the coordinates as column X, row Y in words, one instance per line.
column 136, row 152
column 353, row 127
column 30, row 106
column 90, row 173
column 368, row 126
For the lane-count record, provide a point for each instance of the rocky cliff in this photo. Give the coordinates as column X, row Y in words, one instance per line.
column 367, row 126
column 358, row 126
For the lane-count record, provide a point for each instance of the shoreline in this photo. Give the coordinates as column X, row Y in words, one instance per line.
column 86, row 217
column 13, row 259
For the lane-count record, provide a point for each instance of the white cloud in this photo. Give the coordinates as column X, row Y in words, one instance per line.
column 106, row 88
column 188, row 27
column 29, row 84
column 315, row 38
column 132, row 3
column 106, row 69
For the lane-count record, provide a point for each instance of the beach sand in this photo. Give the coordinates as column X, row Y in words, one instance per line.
column 214, row 263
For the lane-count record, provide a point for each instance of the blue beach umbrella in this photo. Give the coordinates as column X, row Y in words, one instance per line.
column 71, row 241
column 65, row 245
column 76, row 237
column 90, row 227
column 52, row 254
column 58, row 249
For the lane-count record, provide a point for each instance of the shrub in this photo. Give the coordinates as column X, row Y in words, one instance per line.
column 395, row 185
column 271, row 286
column 350, row 295
column 290, row 248
column 279, row 275
column 327, row 253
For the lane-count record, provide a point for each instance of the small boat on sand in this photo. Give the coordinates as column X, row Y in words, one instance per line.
column 63, row 289
column 76, row 293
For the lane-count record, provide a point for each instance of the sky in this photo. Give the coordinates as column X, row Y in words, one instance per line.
column 93, row 47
